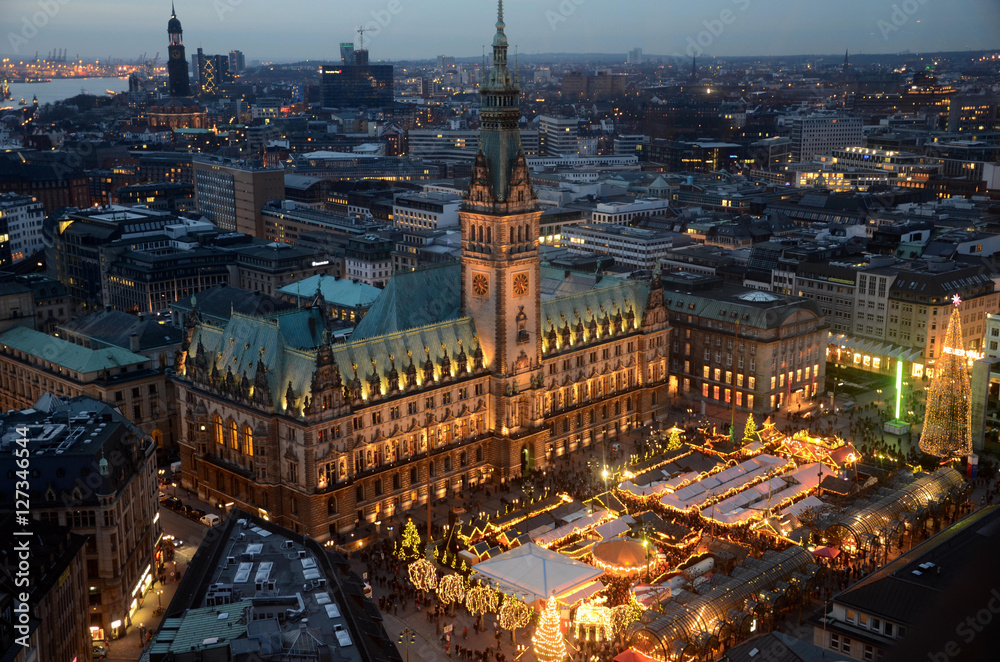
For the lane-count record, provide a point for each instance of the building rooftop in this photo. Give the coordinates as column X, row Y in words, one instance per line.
column 338, row 291
column 260, row 590
column 68, row 441
column 114, row 327
column 69, row 355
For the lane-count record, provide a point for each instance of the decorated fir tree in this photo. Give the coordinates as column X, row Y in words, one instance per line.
column 675, row 440
column 410, row 549
column 750, row 431
column 548, row 640
column 947, row 429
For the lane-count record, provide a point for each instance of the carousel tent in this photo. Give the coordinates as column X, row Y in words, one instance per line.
column 625, row 554
column 537, row 573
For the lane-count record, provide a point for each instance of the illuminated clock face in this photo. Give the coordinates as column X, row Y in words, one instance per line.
column 480, row 285
column 521, row 284
column 175, row 55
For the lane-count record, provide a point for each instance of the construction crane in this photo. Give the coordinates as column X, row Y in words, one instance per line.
column 361, row 31
column 157, row 58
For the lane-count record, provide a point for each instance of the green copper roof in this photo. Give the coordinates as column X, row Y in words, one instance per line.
column 413, row 299
column 66, row 354
column 338, row 291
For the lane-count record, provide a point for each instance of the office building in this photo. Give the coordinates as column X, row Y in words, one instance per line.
column 213, row 73
column 347, row 52
column 820, row 134
column 55, row 186
column 426, row 211
column 635, row 248
column 96, row 473
column 745, row 350
column 973, row 113
column 177, row 69
column 231, row 192
column 237, row 62
column 558, row 136
column 592, row 87
column 626, row 213
column 74, row 240
column 634, row 56
column 21, row 218
column 458, row 145
column 365, row 86
column 505, row 368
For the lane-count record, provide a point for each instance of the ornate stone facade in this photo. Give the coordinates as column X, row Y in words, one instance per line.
column 458, row 374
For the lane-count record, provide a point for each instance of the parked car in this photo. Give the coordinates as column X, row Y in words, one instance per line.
column 173, row 503
column 196, row 514
column 848, row 406
column 163, row 497
column 211, row 519
column 99, row 653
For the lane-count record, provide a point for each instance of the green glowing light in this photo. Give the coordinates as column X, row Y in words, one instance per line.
column 899, row 389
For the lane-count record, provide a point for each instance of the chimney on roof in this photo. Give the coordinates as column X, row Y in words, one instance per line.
column 133, row 342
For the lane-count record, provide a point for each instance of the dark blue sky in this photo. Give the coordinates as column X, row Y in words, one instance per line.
column 300, row 29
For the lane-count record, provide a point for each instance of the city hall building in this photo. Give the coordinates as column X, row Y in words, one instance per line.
column 458, row 375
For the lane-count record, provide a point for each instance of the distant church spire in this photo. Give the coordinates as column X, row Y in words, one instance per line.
column 694, row 67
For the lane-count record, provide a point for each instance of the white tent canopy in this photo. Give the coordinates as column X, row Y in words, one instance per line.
column 535, row 573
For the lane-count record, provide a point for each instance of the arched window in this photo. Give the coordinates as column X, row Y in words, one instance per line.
column 233, row 440
column 489, row 235
column 480, row 234
column 512, row 235
column 331, row 506
column 217, row 428
column 248, row 441
column 519, row 233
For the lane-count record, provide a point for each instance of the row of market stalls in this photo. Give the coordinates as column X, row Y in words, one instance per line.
column 890, row 511
column 694, row 623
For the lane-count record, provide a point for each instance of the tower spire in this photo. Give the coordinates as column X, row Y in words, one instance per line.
column 173, row 12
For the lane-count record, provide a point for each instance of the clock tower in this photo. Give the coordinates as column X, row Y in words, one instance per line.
column 177, row 68
column 500, row 260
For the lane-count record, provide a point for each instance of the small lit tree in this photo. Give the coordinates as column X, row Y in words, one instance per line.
column 451, row 589
column 750, row 431
column 481, row 599
column 548, row 641
column 423, row 575
column 513, row 614
column 410, row 549
column 675, row 440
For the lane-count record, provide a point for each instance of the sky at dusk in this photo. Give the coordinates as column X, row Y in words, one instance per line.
column 419, row 29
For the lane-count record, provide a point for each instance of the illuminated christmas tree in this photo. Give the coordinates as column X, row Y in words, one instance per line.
column 675, row 440
column 750, row 431
column 948, row 417
column 410, row 548
column 548, row 640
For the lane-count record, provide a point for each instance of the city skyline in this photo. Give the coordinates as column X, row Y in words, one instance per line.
column 403, row 30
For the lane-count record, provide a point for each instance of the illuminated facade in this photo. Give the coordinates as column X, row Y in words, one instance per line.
column 457, row 375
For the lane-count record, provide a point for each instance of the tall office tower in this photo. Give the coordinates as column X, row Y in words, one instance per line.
column 177, row 68
column 237, row 62
column 347, row 52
